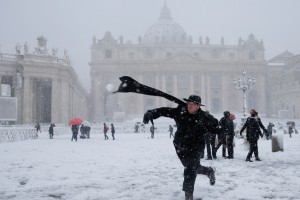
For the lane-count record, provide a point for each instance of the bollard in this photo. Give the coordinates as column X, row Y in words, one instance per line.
column 277, row 143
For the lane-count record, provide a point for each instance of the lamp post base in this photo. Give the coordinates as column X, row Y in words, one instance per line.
column 243, row 120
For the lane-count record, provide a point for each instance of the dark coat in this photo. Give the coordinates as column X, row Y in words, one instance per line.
column 51, row 128
column 227, row 126
column 74, row 129
column 253, row 125
column 191, row 128
column 112, row 129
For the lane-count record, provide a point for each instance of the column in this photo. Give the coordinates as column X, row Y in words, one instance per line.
column 225, row 92
column 65, row 98
column 27, row 100
column 203, row 89
column 191, row 84
column 0, row 86
column 55, row 101
column 163, row 88
column 208, row 90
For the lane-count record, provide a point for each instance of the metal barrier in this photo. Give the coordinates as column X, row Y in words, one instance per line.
column 62, row 130
column 10, row 134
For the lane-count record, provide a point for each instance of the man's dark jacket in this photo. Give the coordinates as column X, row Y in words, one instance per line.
column 191, row 128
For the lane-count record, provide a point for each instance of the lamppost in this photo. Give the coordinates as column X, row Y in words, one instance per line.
column 244, row 84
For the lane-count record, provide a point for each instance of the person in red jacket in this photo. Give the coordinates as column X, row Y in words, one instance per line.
column 105, row 130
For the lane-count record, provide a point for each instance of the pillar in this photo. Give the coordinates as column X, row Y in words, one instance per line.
column 27, row 100
column 0, row 85
column 55, row 101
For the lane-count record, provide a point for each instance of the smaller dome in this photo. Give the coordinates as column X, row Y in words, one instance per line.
column 165, row 30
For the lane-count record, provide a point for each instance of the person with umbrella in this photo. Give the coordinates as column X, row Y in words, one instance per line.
column 75, row 127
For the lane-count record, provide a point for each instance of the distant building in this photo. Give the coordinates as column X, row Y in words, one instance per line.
column 46, row 88
column 284, row 86
column 167, row 58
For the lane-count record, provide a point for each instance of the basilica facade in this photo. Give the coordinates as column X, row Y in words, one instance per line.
column 40, row 87
column 168, row 59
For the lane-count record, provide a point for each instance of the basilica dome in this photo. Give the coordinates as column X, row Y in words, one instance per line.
column 165, row 31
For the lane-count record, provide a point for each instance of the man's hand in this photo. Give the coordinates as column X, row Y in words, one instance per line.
column 148, row 116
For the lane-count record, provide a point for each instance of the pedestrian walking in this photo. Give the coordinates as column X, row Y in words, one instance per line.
column 51, row 130
column 253, row 125
column 152, row 131
column 105, row 130
column 83, row 131
column 112, row 131
column 222, row 134
column 38, row 128
column 290, row 129
column 171, row 131
column 210, row 140
column 74, row 129
column 229, row 134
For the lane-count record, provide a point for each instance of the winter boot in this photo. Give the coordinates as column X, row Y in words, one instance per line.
column 211, row 176
column 188, row 196
column 257, row 159
column 248, row 160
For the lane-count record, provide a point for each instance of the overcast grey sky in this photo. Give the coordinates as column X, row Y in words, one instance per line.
column 71, row 24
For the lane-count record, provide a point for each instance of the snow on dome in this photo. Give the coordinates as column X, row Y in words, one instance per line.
column 165, row 30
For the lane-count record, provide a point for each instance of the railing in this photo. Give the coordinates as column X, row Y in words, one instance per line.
column 15, row 133
column 62, row 130
column 10, row 57
column 10, row 134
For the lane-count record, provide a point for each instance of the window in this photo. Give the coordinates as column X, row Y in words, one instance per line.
column 130, row 55
column 251, row 55
column 107, row 53
column 169, row 54
column 149, row 103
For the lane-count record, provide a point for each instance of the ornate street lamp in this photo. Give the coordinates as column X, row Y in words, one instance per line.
column 244, row 84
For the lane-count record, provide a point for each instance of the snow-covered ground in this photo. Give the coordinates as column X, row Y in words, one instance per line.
column 135, row 167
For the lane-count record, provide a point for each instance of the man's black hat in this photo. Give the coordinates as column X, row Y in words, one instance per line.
column 195, row 99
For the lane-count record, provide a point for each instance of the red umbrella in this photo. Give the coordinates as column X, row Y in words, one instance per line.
column 75, row 121
column 232, row 116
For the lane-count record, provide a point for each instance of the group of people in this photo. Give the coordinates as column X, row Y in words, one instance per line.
column 197, row 128
column 105, row 130
column 85, row 131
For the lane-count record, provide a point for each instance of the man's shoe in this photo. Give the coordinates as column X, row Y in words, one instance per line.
column 248, row 160
column 229, row 157
column 211, row 176
column 257, row 159
column 188, row 196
